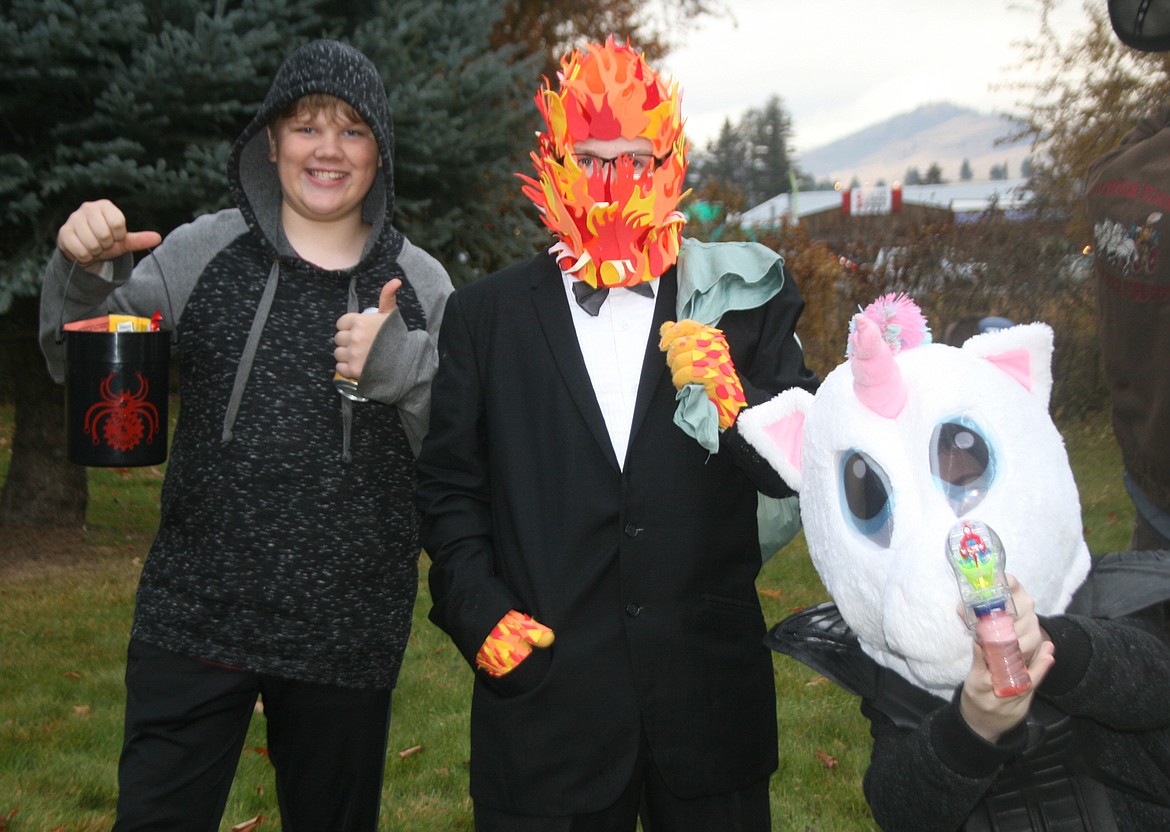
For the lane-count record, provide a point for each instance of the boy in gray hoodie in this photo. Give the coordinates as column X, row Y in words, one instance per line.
column 285, row 563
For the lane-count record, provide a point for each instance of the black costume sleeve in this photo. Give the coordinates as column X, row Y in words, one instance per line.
column 769, row 360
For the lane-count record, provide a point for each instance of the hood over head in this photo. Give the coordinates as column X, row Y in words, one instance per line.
column 321, row 66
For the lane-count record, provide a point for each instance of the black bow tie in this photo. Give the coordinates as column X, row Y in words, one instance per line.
column 590, row 298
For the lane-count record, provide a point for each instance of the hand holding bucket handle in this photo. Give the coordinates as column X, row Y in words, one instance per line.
column 97, row 232
column 116, row 383
column 101, row 226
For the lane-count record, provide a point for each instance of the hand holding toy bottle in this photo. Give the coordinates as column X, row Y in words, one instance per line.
column 977, row 558
column 345, row 385
column 355, row 336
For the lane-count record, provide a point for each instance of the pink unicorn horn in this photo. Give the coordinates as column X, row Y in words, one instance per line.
column 877, row 381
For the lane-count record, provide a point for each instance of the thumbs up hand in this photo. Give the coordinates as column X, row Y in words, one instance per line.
column 356, row 332
column 97, row 232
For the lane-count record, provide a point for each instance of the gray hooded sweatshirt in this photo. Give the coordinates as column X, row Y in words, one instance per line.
column 288, row 539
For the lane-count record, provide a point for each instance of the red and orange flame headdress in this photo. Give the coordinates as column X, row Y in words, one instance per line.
column 617, row 230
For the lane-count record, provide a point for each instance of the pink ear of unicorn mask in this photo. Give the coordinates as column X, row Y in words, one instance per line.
column 867, row 455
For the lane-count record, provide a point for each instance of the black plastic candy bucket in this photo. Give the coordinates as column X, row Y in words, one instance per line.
column 116, row 393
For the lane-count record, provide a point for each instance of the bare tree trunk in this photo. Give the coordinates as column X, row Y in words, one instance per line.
column 43, row 488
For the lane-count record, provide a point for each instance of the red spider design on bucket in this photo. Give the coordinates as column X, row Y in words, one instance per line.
column 127, row 416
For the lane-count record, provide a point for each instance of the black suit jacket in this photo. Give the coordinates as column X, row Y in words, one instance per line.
column 645, row 575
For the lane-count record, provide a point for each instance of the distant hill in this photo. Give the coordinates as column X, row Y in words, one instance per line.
column 939, row 132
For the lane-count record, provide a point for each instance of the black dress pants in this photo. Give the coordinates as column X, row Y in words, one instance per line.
column 186, row 722
column 647, row 798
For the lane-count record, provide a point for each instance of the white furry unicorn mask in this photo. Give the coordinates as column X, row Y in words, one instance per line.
column 899, row 443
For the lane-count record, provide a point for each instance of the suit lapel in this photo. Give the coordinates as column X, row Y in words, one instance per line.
column 556, row 322
column 654, row 360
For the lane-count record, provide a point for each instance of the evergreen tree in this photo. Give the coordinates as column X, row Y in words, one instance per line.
column 913, row 177
column 933, row 175
column 749, row 162
column 770, row 132
column 965, row 173
column 127, row 100
column 719, row 175
column 140, row 102
column 107, row 98
column 464, row 121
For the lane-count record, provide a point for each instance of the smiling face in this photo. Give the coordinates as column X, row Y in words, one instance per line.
column 327, row 159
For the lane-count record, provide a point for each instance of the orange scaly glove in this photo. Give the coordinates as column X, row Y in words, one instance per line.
column 510, row 642
column 698, row 354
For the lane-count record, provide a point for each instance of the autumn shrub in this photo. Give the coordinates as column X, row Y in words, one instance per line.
column 958, row 272
column 1021, row 270
column 823, row 282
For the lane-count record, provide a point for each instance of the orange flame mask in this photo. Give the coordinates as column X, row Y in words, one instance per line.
column 613, row 228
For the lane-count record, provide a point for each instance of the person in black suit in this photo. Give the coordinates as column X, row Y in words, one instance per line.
column 593, row 540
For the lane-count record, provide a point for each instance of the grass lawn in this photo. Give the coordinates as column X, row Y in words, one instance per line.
column 63, row 629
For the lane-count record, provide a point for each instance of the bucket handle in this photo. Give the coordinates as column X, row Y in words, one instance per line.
column 166, row 289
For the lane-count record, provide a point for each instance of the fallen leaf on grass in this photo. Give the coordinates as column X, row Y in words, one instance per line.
column 771, row 593
column 72, row 675
column 81, row 710
column 815, row 680
column 409, row 752
column 259, row 749
column 248, row 825
column 827, row 760
column 5, row 818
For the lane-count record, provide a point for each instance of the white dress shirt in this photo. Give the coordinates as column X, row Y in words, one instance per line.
column 613, row 345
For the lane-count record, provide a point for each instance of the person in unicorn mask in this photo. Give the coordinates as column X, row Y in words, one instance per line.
column 590, row 508
column 914, row 458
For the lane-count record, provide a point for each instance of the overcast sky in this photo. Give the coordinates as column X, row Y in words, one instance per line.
column 843, row 65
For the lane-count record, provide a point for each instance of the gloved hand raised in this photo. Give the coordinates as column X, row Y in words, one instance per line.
column 698, row 354
column 510, row 642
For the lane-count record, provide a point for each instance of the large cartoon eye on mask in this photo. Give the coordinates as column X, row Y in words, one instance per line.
column 865, row 497
column 962, row 462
